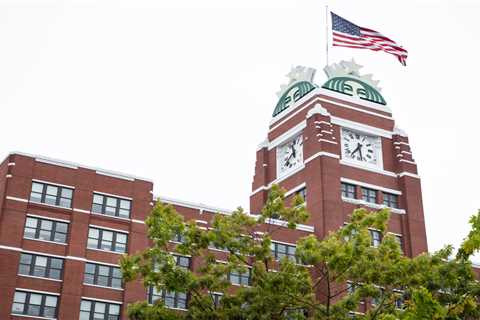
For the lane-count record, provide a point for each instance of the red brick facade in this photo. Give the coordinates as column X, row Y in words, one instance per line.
column 319, row 115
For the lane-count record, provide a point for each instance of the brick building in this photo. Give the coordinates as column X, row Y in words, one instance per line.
column 63, row 226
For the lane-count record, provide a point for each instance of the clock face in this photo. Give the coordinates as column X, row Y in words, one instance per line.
column 360, row 147
column 290, row 155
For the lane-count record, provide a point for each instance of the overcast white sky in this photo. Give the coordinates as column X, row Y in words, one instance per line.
column 182, row 91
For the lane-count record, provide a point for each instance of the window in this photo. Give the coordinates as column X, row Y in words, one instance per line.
column 96, row 310
column 390, row 200
column 349, row 190
column 111, row 206
column 34, row 304
column 280, row 250
column 51, row 194
column 180, row 238
column 369, row 195
column 376, row 238
column 101, row 275
column 107, row 240
column 399, row 240
column 303, row 193
column 172, row 299
column 216, row 298
column 240, row 278
column 43, row 229
column 40, row 266
column 182, row 261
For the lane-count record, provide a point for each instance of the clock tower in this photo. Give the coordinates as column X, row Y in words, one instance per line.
column 338, row 145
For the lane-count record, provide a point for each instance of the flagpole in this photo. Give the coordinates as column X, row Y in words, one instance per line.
column 326, row 32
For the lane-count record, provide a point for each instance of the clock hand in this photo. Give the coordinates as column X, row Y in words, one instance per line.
column 360, row 150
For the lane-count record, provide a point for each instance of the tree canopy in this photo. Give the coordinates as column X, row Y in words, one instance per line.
column 330, row 278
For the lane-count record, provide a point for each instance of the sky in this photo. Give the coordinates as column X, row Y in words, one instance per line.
column 182, row 91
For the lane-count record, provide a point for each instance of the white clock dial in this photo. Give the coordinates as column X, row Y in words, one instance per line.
column 360, row 147
column 290, row 155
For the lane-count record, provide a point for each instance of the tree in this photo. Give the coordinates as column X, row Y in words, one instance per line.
column 330, row 278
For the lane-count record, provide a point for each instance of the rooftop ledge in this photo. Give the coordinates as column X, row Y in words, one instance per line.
column 72, row 165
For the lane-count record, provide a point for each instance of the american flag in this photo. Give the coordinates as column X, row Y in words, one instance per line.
column 347, row 34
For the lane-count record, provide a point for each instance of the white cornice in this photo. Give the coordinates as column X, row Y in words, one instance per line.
column 72, row 165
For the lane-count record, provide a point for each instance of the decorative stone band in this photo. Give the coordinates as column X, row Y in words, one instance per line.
column 373, row 205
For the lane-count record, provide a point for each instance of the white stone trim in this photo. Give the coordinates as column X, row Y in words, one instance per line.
column 81, row 210
column 282, row 223
column 373, row 205
column 53, row 183
column 16, row 199
column 114, row 175
column 76, row 258
column 407, row 161
column 112, row 195
column 292, row 132
column 294, row 110
column 56, row 163
column 42, row 278
column 318, row 109
column 111, row 217
column 51, row 205
column 138, row 221
column 10, row 164
column 371, row 186
column 103, row 263
column 322, row 154
column 30, row 317
column 103, row 287
column 38, row 291
column 262, row 144
column 282, row 242
column 354, row 100
column 107, row 251
column 10, row 248
column 48, row 241
column 408, row 174
column 201, row 221
column 193, row 205
column 75, row 165
column 362, row 127
column 107, row 228
column 372, row 169
column 324, row 140
column 401, row 142
column 8, row 176
column 295, row 189
column 101, row 300
column 287, row 114
column 47, row 218
column 42, row 254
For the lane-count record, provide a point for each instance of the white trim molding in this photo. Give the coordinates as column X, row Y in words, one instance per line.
column 81, row 210
column 322, row 154
column 112, row 195
column 107, row 228
column 371, row 186
column 295, row 189
column 373, row 205
column 38, row 291
column 362, row 127
column 53, row 183
column 16, row 199
column 372, row 169
column 408, row 174
column 47, row 218
column 101, row 300
column 287, row 135
column 72, row 165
